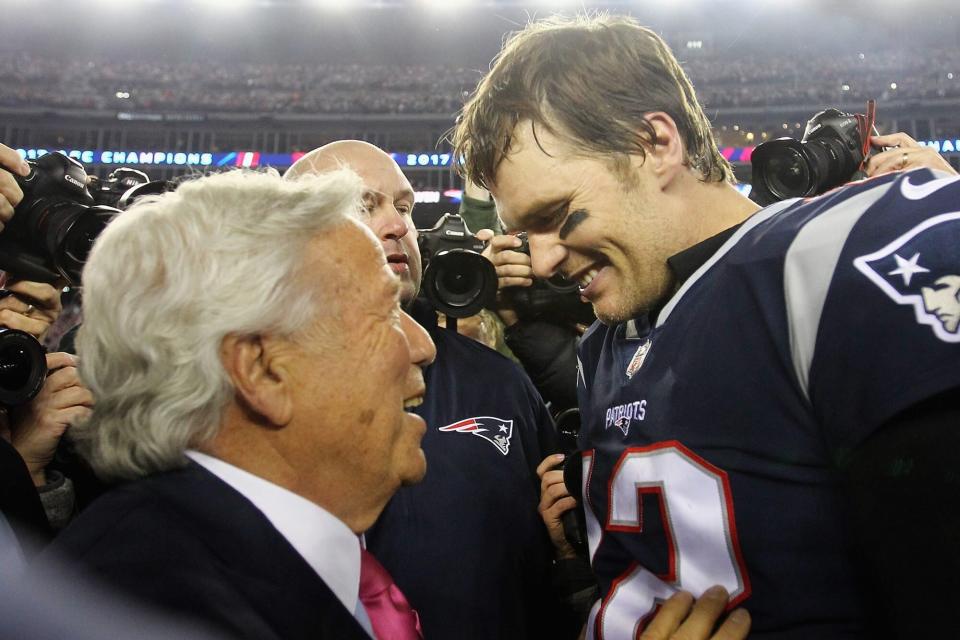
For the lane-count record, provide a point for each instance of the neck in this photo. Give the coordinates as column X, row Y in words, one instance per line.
column 715, row 207
column 261, row 450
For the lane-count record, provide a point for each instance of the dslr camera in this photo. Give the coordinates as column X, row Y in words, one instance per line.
column 457, row 280
column 51, row 233
column 833, row 149
column 55, row 224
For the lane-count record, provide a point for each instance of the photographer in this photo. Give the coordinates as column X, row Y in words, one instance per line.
column 31, row 432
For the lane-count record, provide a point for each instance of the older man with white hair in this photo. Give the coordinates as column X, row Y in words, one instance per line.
column 223, row 327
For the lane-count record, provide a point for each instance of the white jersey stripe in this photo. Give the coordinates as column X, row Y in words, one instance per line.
column 745, row 228
column 808, row 269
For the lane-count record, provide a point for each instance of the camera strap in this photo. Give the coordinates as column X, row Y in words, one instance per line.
column 865, row 124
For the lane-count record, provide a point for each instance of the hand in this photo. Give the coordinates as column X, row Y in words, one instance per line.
column 907, row 154
column 675, row 620
column 513, row 267
column 555, row 500
column 33, row 307
column 36, row 427
column 10, row 193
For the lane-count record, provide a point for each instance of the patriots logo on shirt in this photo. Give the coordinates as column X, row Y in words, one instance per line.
column 496, row 431
column 910, row 271
column 623, row 424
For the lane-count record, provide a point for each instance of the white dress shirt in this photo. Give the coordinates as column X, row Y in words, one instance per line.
column 326, row 543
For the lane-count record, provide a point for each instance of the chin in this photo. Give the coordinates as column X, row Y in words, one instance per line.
column 417, row 472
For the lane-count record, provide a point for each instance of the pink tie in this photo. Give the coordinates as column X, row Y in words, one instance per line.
column 390, row 614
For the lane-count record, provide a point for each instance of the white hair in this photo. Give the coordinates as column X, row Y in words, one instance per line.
column 168, row 280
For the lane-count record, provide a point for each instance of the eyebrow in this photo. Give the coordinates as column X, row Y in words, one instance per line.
column 534, row 211
column 403, row 194
column 572, row 222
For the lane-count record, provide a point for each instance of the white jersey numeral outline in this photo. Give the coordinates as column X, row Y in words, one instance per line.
column 696, row 507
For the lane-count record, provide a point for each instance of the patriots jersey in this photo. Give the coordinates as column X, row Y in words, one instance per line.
column 467, row 545
column 713, row 433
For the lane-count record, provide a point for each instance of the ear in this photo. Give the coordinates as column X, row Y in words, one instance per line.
column 666, row 156
column 255, row 365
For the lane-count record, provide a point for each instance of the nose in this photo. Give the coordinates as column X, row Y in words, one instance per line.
column 546, row 254
column 422, row 349
column 391, row 225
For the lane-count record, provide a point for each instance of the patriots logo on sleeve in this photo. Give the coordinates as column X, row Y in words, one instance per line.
column 496, row 431
column 921, row 269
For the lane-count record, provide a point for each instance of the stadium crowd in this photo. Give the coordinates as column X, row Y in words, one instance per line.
column 747, row 81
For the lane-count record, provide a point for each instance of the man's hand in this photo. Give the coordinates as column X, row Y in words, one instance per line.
column 907, row 154
column 555, row 500
column 36, row 427
column 676, row 621
column 513, row 267
column 10, row 193
column 33, row 307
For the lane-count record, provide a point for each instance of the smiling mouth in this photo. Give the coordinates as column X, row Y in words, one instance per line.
column 583, row 277
column 412, row 403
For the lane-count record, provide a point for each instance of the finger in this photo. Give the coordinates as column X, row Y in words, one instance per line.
column 9, row 190
column 13, row 320
column 62, row 379
column 43, row 296
column 887, row 161
column 509, row 257
column 16, row 304
column 503, row 242
column 59, row 359
column 503, row 283
column 553, row 493
column 549, row 463
column 560, row 507
column 549, row 479
column 668, row 619
column 484, row 234
column 898, row 139
column 735, row 627
column 708, row 608
column 75, row 415
column 11, row 160
column 71, row 397
column 514, row 271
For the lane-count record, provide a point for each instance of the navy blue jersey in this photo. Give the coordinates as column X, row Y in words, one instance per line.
column 712, row 435
column 467, row 545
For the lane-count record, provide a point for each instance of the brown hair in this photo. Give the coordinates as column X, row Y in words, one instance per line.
column 590, row 79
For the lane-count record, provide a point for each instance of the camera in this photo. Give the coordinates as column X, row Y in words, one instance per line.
column 123, row 186
column 457, row 280
column 55, row 224
column 832, row 152
column 555, row 298
column 23, row 365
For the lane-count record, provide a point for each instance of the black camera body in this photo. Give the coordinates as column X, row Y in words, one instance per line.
column 832, row 152
column 555, row 298
column 457, row 280
column 55, row 224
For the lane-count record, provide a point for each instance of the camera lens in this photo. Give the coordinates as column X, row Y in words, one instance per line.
column 456, row 287
column 23, row 367
column 787, row 174
column 460, row 283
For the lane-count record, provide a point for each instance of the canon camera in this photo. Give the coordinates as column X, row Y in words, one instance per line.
column 833, row 150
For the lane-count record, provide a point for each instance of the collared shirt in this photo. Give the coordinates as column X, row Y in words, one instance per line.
column 326, row 543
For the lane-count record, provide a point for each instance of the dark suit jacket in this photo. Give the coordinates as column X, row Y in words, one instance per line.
column 20, row 502
column 187, row 542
